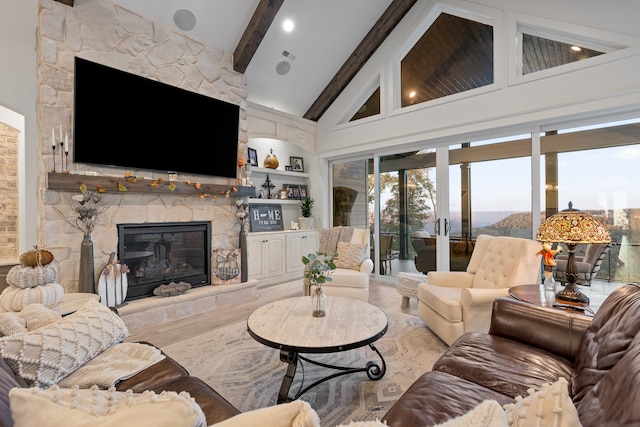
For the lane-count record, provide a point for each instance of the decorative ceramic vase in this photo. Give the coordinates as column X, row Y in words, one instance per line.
column 305, row 223
column 86, row 278
column 271, row 161
column 318, row 302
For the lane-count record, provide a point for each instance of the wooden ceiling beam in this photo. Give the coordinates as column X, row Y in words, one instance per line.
column 260, row 22
column 371, row 42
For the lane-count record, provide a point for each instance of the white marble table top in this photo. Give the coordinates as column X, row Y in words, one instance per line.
column 289, row 325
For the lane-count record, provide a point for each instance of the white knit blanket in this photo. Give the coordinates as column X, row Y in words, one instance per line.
column 118, row 362
column 329, row 238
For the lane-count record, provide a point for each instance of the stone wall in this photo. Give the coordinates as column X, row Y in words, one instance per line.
column 9, row 193
column 103, row 32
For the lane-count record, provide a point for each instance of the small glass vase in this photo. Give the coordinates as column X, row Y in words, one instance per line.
column 318, row 302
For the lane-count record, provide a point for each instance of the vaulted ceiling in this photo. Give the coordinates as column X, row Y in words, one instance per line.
column 302, row 72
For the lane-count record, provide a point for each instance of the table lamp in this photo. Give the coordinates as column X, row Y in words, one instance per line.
column 572, row 227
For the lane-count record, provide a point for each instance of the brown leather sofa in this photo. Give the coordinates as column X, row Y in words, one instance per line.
column 166, row 375
column 528, row 346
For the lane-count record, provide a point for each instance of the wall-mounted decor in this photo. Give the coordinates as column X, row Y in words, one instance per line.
column 296, row 191
column 226, row 266
column 297, row 164
column 265, row 217
column 253, row 157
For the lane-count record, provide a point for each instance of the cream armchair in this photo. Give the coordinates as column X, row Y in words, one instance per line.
column 351, row 278
column 455, row 302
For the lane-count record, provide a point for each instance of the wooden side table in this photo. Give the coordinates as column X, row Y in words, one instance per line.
column 535, row 294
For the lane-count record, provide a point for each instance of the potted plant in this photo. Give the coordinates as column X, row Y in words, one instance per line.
column 318, row 268
column 306, row 208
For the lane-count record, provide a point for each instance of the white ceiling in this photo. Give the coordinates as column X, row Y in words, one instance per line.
column 326, row 33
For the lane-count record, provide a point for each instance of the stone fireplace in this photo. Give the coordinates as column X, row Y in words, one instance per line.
column 109, row 34
column 160, row 253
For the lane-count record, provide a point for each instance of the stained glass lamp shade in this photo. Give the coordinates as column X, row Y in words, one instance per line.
column 572, row 227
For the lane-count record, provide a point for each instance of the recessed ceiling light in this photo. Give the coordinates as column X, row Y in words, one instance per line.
column 576, row 48
column 184, row 19
column 287, row 25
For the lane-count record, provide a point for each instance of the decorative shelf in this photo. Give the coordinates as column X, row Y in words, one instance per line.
column 113, row 184
column 279, row 172
column 256, row 201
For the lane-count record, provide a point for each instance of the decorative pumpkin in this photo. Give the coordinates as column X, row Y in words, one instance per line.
column 36, row 257
column 271, row 161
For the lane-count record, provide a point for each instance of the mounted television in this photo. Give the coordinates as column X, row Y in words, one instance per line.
column 128, row 121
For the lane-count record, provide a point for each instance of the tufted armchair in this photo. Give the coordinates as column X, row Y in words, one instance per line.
column 351, row 278
column 454, row 302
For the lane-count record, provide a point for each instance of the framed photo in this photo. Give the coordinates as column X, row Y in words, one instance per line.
column 253, row 157
column 287, row 167
column 297, row 164
column 295, row 191
column 284, row 194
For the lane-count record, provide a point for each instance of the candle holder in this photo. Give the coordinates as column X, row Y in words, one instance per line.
column 53, row 147
column 66, row 161
column 62, row 156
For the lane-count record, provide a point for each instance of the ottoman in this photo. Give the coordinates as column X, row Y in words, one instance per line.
column 408, row 286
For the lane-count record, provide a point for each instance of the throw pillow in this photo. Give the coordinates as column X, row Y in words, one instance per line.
column 11, row 323
column 44, row 356
column 293, row 414
column 102, row 408
column 487, row 414
column 37, row 315
column 550, row 407
column 350, row 255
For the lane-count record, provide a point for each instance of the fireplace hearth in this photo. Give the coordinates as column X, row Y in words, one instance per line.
column 161, row 253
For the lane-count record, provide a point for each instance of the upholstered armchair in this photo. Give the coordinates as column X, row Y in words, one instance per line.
column 354, row 266
column 587, row 266
column 454, row 302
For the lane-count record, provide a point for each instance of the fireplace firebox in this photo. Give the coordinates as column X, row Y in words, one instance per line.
column 161, row 253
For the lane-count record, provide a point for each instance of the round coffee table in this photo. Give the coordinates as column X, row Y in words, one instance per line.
column 289, row 326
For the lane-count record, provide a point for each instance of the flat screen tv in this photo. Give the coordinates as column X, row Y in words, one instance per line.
column 128, row 121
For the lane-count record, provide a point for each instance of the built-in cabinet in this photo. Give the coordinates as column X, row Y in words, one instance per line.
column 276, row 256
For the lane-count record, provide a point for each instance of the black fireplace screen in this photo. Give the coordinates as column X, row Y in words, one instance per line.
column 161, row 253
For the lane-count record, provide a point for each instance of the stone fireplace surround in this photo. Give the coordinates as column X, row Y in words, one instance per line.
column 109, row 34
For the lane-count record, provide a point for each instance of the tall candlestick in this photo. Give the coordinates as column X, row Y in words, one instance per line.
column 66, row 142
column 53, row 139
column 60, row 133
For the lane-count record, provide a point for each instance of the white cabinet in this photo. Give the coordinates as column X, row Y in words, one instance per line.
column 300, row 244
column 266, row 255
column 276, row 256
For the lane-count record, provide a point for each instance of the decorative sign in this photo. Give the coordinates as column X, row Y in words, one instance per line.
column 265, row 217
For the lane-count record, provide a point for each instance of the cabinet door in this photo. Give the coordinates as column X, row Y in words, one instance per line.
column 254, row 256
column 295, row 251
column 273, row 260
column 310, row 242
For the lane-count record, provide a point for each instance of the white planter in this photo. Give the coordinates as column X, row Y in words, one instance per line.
column 305, row 223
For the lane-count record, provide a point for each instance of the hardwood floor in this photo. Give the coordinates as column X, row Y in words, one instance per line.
column 381, row 294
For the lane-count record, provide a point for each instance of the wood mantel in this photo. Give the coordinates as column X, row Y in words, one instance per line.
column 113, row 184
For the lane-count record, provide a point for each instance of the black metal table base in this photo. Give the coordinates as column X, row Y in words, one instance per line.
column 372, row 368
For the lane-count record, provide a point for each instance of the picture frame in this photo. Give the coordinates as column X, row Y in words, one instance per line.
column 295, row 191
column 287, row 168
column 253, row 157
column 297, row 164
column 265, row 217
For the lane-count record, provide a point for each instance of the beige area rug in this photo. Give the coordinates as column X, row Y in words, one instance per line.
column 249, row 374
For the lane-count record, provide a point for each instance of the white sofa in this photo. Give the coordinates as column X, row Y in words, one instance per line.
column 351, row 282
column 454, row 302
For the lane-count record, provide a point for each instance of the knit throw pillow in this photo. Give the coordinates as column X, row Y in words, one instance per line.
column 103, row 408
column 549, row 407
column 44, row 356
column 350, row 255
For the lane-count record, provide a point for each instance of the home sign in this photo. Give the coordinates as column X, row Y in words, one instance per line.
column 265, row 217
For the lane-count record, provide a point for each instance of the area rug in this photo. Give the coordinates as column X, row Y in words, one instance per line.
column 249, row 374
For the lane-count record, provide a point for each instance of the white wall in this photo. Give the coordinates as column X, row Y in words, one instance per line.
column 608, row 85
column 18, row 95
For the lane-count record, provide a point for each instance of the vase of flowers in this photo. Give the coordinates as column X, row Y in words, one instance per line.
column 318, row 268
column 87, row 213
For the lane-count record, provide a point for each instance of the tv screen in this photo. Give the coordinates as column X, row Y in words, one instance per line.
column 128, row 121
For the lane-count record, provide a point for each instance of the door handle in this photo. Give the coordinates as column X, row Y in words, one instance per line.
column 447, row 227
column 437, row 227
